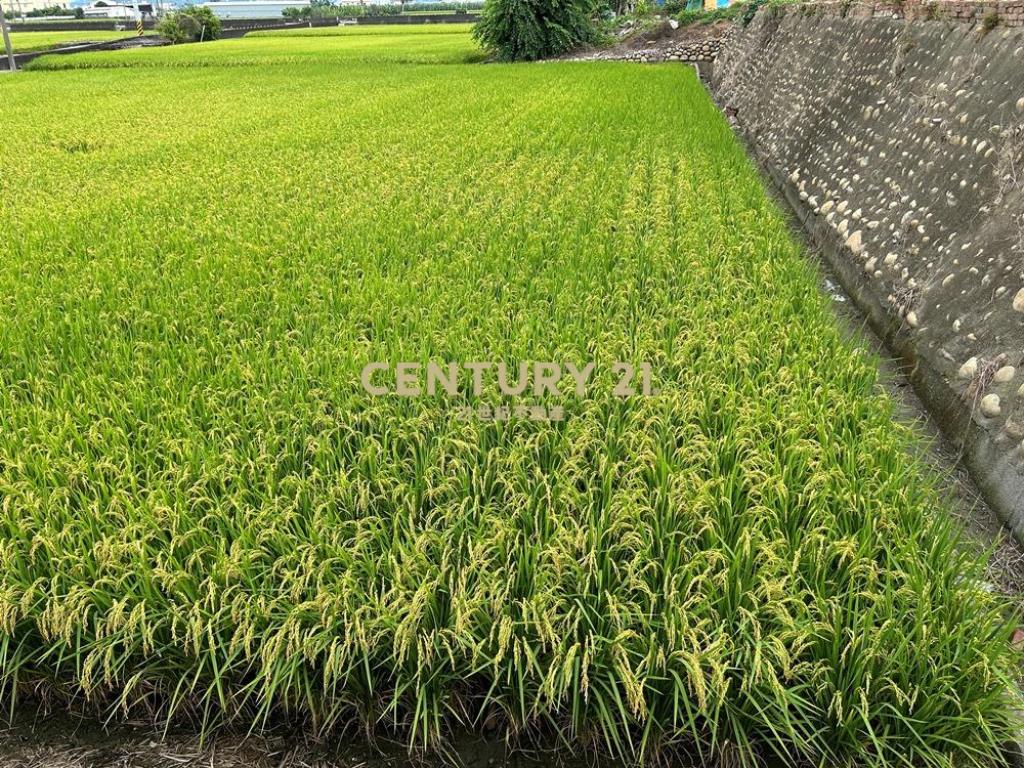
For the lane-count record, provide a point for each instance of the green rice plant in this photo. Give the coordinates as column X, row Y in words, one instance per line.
column 204, row 515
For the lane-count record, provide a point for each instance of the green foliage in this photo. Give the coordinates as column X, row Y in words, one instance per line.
column 749, row 10
column 526, row 30
column 323, row 9
column 203, row 514
column 409, row 38
column 191, row 24
column 702, row 16
column 15, row 11
column 319, row 9
column 990, row 21
column 371, row 10
column 51, row 10
column 674, row 7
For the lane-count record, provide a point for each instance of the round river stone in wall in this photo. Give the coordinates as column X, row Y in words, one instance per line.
column 968, row 369
column 1004, row 374
column 990, row 405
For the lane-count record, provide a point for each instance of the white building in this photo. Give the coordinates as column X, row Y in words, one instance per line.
column 253, row 9
column 108, row 9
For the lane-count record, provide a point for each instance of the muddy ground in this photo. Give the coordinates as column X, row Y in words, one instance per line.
column 58, row 740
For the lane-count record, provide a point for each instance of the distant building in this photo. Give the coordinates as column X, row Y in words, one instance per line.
column 108, row 9
column 22, row 7
column 253, row 9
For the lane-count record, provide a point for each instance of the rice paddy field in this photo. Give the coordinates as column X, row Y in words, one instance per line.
column 382, row 34
column 25, row 42
column 426, row 44
column 205, row 517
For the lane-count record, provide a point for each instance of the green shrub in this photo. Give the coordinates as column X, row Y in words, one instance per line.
column 672, row 7
column 750, row 11
column 526, row 30
column 192, row 24
column 689, row 17
column 318, row 9
column 50, row 10
column 323, row 9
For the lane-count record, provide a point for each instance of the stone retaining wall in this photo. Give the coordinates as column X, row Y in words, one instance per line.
column 691, row 51
column 900, row 144
column 1001, row 12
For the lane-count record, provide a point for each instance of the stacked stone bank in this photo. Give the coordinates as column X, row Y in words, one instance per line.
column 900, row 143
column 691, row 51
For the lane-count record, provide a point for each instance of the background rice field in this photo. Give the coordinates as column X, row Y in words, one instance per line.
column 24, row 42
column 378, row 31
column 202, row 513
column 429, row 44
